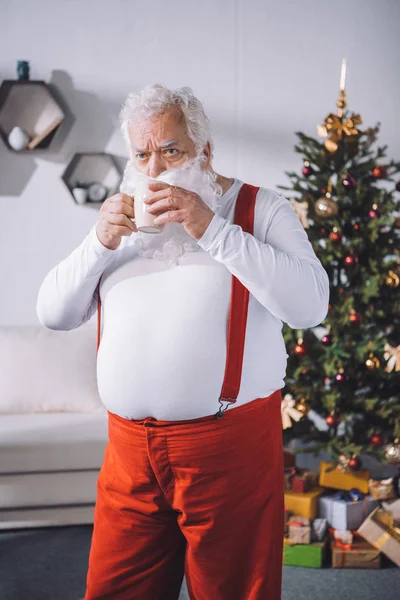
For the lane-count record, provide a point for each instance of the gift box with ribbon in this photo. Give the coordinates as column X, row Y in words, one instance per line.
column 305, row 505
column 346, row 510
column 341, row 480
column 299, row 530
column 304, row 482
column 350, row 550
column 379, row 530
column 393, row 507
column 305, row 555
column 300, row 480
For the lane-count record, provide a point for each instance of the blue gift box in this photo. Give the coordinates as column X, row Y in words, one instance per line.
column 346, row 514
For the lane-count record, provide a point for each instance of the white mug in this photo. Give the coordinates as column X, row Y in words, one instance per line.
column 144, row 220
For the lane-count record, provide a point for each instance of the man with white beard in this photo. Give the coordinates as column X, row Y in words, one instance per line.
column 190, row 363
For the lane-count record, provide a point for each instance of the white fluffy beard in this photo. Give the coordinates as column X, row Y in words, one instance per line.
column 173, row 242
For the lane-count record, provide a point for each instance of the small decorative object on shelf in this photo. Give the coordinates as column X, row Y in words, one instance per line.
column 97, row 192
column 29, row 107
column 80, row 193
column 91, row 177
column 23, row 69
column 18, row 139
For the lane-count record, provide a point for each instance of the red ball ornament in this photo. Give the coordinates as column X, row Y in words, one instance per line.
column 332, row 420
column 307, row 169
column 349, row 182
column 354, row 463
column 327, row 340
column 350, row 261
column 376, row 440
column 379, row 172
column 398, row 186
column 335, row 236
column 373, row 214
column 300, row 349
column 355, row 318
column 356, row 227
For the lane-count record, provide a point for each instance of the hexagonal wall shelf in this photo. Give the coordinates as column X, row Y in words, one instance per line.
column 97, row 173
column 31, row 106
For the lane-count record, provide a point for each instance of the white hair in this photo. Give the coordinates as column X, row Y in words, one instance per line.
column 156, row 99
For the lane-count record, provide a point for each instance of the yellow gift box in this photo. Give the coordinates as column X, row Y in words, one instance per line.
column 340, row 480
column 305, row 505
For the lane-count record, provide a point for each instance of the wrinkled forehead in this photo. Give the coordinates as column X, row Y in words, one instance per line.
column 159, row 131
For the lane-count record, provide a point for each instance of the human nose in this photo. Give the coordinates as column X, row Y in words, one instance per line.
column 155, row 165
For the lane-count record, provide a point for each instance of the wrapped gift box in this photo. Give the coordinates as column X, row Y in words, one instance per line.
column 299, row 530
column 378, row 529
column 304, row 482
column 305, row 555
column 305, row 505
column 340, row 480
column 357, row 555
column 393, row 507
column 342, row 514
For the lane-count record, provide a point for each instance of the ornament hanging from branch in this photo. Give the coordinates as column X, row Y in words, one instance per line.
column 288, row 411
column 301, row 210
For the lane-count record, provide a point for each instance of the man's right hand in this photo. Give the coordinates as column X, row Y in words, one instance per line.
column 115, row 220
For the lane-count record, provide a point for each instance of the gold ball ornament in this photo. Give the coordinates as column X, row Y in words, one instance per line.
column 302, row 406
column 325, row 207
column 397, row 223
column 392, row 280
column 392, row 452
column 372, row 362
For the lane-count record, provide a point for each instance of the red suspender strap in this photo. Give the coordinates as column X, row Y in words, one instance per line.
column 98, row 316
column 244, row 216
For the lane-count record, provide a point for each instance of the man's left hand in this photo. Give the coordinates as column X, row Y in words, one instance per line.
column 173, row 203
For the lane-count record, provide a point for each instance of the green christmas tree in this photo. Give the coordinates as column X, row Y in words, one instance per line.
column 343, row 377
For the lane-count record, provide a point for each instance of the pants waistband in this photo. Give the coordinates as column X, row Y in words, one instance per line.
column 125, row 428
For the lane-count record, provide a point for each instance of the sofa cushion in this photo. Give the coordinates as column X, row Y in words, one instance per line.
column 48, row 371
column 52, row 442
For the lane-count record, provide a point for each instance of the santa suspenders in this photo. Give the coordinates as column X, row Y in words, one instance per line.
column 244, row 216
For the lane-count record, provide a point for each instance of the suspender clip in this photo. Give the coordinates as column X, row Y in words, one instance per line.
column 222, row 410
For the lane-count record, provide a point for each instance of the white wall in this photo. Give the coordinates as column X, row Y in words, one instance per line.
column 263, row 70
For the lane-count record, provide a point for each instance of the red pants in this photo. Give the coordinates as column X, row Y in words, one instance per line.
column 202, row 497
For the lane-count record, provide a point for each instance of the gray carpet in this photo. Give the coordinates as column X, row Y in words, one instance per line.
column 51, row 564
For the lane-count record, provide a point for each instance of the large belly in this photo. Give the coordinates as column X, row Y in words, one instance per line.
column 164, row 335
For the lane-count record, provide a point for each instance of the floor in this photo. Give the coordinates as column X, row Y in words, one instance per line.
column 51, row 563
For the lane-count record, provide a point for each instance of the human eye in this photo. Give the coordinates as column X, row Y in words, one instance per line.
column 141, row 155
column 172, row 151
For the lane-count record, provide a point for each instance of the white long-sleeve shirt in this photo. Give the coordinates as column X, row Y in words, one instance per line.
column 164, row 329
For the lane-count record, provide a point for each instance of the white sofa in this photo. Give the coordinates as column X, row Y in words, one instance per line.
column 53, row 426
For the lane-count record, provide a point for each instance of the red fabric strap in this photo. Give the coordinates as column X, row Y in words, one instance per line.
column 244, row 216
